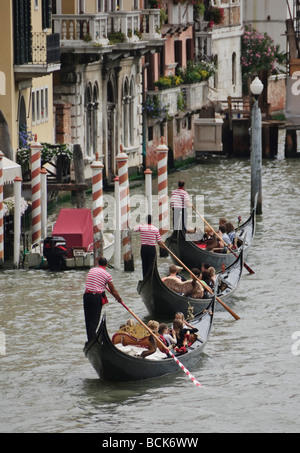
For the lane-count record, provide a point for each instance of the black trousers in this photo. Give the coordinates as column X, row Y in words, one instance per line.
column 148, row 254
column 92, row 304
column 179, row 218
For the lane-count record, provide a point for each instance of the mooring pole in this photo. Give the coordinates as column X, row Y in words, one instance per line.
column 256, row 147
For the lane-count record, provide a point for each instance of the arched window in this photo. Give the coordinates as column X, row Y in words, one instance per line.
column 95, row 118
column 22, row 123
column 132, row 120
column 110, row 146
column 88, row 108
column 126, row 114
column 234, row 68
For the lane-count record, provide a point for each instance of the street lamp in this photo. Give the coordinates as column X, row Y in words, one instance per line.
column 256, row 88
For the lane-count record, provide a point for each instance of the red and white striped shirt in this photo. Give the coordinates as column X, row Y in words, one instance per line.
column 179, row 198
column 149, row 234
column 97, row 279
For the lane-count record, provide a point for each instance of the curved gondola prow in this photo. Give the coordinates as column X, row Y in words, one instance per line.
column 112, row 364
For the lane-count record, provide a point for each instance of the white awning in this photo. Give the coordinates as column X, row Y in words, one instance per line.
column 10, row 170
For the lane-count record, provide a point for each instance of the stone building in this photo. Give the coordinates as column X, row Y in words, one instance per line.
column 103, row 46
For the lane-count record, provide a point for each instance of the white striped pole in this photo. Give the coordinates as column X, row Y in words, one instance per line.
column 1, row 211
column 163, row 201
column 122, row 164
column 118, row 242
column 36, row 192
column 97, row 184
column 17, row 220
column 44, row 202
column 148, row 190
column 162, row 168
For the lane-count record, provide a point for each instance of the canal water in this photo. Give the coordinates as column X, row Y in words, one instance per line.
column 249, row 368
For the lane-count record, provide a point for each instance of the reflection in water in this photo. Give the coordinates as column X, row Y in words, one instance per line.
column 248, row 369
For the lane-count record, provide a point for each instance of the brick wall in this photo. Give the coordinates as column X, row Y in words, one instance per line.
column 63, row 122
column 277, row 93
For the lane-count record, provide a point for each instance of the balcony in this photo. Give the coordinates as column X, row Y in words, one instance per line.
column 92, row 31
column 169, row 103
column 182, row 14
column 44, row 58
column 195, row 95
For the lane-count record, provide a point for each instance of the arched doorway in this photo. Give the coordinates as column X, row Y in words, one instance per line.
column 110, row 149
column 23, row 133
column 126, row 114
column 89, row 126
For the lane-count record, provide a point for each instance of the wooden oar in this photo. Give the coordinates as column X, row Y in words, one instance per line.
column 221, row 239
column 202, row 283
column 193, row 379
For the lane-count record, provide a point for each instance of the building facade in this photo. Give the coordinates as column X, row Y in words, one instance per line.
column 103, row 49
column 29, row 57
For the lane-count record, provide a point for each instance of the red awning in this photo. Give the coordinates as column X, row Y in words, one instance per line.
column 76, row 227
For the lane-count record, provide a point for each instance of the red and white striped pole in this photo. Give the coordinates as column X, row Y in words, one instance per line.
column 97, row 184
column 118, row 242
column 44, row 197
column 36, row 192
column 163, row 201
column 122, row 164
column 17, row 220
column 148, row 190
column 1, row 211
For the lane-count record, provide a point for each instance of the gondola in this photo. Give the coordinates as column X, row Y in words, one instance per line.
column 193, row 256
column 164, row 303
column 113, row 365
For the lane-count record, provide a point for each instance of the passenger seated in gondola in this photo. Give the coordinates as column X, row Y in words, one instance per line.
column 179, row 315
column 230, row 231
column 190, row 288
column 196, row 291
column 174, row 272
column 183, row 336
column 212, row 273
column 225, row 236
column 206, row 239
column 205, row 267
column 154, row 326
column 206, row 277
column 222, row 221
column 170, row 338
column 129, row 323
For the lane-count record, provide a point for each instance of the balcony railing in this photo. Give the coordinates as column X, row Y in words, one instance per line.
column 182, row 14
column 43, row 58
column 95, row 28
column 45, row 48
column 195, row 97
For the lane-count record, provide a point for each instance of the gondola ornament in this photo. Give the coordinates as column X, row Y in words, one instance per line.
column 167, row 350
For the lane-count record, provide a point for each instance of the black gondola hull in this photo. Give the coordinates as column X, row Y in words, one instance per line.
column 193, row 256
column 113, row 365
column 164, row 303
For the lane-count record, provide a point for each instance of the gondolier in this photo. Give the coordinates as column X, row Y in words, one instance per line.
column 150, row 236
column 94, row 297
column 180, row 201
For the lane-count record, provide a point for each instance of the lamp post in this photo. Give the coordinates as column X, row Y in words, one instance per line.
column 256, row 88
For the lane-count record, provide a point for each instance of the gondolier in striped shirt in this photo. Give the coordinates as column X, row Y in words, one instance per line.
column 180, row 201
column 94, row 297
column 150, row 236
